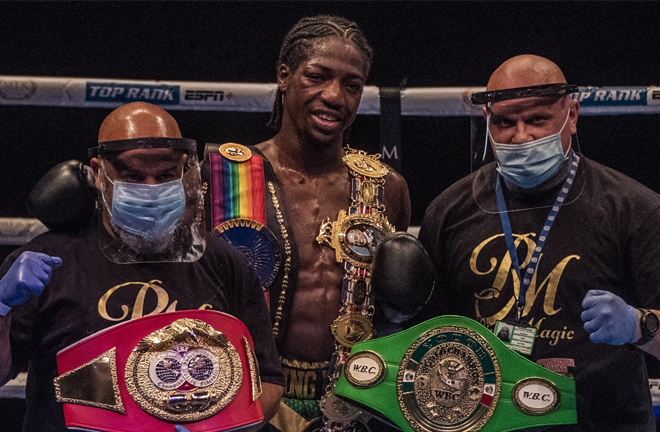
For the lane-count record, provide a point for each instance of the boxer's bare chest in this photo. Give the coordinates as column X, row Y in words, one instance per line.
column 309, row 199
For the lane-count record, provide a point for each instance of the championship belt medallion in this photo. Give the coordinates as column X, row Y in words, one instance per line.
column 365, row 369
column 366, row 165
column 235, row 152
column 257, row 243
column 193, row 367
column 451, row 374
column 449, row 379
column 351, row 328
column 186, row 371
column 355, row 237
column 336, row 410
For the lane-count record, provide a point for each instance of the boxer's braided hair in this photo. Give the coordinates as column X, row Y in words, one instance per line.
column 299, row 41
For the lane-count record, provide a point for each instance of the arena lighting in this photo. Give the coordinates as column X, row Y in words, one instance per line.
column 258, row 97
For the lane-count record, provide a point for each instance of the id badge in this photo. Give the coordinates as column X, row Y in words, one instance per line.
column 518, row 336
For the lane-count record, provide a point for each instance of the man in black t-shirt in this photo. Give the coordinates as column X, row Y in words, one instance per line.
column 547, row 238
column 143, row 255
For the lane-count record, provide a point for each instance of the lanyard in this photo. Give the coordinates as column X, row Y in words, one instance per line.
column 508, row 235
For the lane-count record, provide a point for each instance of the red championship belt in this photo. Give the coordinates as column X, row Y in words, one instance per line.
column 196, row 368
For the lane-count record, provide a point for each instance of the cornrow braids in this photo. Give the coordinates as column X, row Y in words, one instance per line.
column 300, row 40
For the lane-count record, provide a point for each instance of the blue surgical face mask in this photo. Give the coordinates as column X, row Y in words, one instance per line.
column 530, row 164
column 149, row 211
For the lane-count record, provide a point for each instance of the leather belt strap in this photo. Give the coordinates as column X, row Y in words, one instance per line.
column 452, row 374
column 237, row 194
column 194, row 367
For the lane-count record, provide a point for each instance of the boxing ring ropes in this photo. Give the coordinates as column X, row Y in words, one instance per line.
column 258, row 97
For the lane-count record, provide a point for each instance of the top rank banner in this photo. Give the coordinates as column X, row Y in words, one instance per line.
column 618, row 100
column 259, row 97
column 171, row 95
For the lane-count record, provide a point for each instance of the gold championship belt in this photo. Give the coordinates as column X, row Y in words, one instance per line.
column 354, row 236
column 188, row 367
column 451, row 374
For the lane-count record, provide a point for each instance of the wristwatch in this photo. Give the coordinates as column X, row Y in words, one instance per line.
column 649, row 324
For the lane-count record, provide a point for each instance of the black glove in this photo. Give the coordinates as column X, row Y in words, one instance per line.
column 402, row 278
column 64, row 199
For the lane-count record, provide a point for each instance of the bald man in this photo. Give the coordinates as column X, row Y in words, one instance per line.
column 584, row 237
column 143, row 255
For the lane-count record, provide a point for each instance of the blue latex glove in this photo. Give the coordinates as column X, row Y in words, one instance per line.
column 179, row 428
column 28, row 276
column 608, row 318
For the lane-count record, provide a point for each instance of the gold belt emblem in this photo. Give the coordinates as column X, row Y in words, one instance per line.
column 235, row 152
column 186, row 371
column 366, row 165
column 355, row 237
column 449, row 380
column 351, row 328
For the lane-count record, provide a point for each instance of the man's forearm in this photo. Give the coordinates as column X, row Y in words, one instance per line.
column 270, row 399
column 270, row 402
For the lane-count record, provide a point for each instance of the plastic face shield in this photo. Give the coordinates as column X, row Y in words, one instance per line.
column 185, row 241
column 480, row 151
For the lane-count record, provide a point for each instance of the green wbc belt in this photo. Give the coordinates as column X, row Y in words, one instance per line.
column 451, row 374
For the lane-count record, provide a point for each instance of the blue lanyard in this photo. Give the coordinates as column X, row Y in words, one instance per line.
column 508, row 235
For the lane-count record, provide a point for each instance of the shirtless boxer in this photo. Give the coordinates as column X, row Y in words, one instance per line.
column 321, row 71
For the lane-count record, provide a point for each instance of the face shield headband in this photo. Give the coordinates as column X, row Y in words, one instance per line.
column 543, row 90
column 105, row 147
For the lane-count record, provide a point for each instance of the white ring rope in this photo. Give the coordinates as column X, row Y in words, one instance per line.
column 258, row 97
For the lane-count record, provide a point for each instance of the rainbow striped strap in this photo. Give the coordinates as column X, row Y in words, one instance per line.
column 237, row 185
column 238, row 208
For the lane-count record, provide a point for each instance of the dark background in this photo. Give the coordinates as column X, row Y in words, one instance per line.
column 419, row 43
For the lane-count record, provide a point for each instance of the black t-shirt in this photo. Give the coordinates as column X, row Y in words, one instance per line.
column 89, row 293
column 605, row 237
